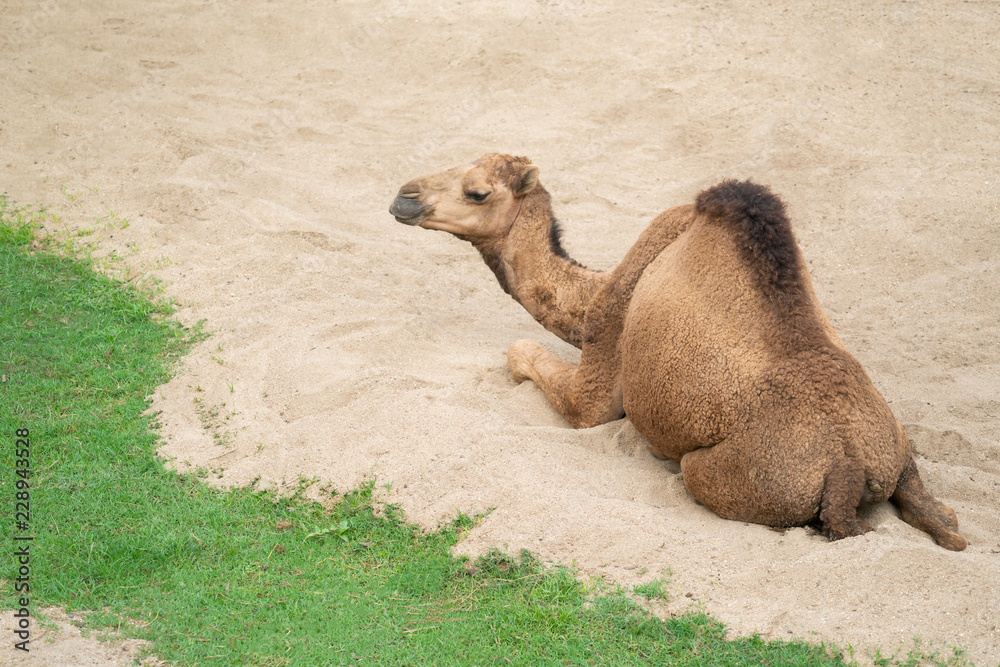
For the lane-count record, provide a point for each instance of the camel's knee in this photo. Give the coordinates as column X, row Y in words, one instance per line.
column 586, row 395
column 520, row 359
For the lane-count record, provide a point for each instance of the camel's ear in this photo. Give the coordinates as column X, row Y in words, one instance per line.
column 526, row 180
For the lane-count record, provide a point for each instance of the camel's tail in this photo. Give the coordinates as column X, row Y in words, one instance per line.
column 921, row 510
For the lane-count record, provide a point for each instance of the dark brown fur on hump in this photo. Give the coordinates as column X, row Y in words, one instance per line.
column 756, row 218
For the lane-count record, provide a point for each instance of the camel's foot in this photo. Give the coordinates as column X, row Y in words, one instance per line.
column 519, row 359
column 840, row 527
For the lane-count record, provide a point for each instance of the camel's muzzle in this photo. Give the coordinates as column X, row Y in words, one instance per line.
column 407, row 209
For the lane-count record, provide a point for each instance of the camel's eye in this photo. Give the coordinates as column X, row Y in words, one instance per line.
column 477, row 196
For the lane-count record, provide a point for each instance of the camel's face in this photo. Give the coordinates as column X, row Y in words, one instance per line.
column 478, row 200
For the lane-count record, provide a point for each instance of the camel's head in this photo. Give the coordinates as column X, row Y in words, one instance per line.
column 478, row 200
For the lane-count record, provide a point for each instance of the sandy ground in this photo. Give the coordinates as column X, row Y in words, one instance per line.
column 254, row 148
column 57, row 641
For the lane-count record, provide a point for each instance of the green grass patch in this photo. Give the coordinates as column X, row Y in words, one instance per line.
column 246, row 577
column 652, row 590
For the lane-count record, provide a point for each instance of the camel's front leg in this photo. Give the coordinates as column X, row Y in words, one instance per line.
column 586, row 395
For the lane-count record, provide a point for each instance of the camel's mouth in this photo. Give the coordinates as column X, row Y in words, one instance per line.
column 409, row 210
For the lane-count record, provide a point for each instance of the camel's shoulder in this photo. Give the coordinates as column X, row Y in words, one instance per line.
column 607, row 309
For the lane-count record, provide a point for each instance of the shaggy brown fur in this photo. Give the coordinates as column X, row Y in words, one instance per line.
column 756, row 219
column 708, row 336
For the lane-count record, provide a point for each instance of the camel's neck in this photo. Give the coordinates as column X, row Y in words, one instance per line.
column 531, row 266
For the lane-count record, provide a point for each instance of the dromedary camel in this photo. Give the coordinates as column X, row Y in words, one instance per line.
column 708, row 336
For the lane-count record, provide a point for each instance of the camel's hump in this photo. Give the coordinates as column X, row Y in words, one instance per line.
column 757, row 219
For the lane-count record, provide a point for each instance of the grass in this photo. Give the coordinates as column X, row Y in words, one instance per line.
column 246, row 577
column 652, row 590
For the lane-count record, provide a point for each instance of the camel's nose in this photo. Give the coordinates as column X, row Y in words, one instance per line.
column 407, row 207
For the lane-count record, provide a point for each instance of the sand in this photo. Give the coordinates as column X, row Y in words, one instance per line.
column 61, row 640
column 254, row 148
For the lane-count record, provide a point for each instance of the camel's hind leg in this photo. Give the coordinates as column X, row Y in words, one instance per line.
column 921, row 510
column 744, row 487
column 586, row 395
column 738, row 484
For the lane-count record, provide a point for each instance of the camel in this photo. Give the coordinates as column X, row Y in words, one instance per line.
column 708, row 336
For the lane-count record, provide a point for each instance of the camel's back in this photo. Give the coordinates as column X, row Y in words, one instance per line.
column 695, row 340
column 712, row 317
